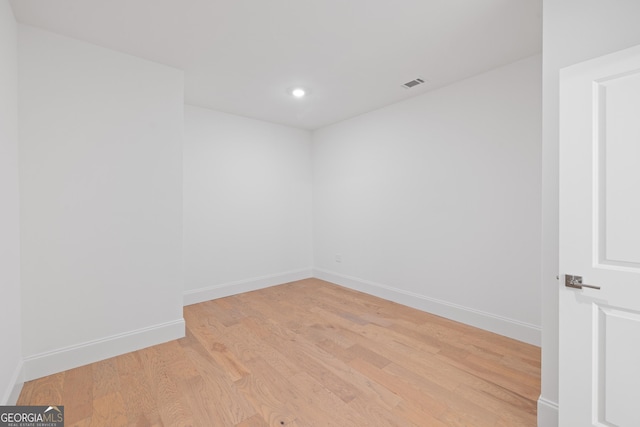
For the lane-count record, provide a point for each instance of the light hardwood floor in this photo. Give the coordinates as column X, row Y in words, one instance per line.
column 306, row 353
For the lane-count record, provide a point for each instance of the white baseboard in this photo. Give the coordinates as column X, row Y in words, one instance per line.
column 511, row 328
column 62, row 359
column 226, row 289
column 14, row 388
column 547, row 413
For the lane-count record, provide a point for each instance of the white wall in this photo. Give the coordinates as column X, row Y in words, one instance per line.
column 574, row 31
column 434, row 202
column 247, row 204
column 101, row 182
column 11, row 353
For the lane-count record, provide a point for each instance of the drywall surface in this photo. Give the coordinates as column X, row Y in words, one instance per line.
column 101, row 194
column 574, row 31
column 11, row 354
column 247, row 204
column 435, row 201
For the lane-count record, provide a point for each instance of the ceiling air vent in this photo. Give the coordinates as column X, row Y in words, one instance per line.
column 413, row 83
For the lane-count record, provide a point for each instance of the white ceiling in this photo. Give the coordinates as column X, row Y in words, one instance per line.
column 242, row 56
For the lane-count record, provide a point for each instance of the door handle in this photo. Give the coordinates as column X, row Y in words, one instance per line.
column 576, row 282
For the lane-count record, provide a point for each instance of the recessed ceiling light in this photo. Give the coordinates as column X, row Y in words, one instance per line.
column 298, row 92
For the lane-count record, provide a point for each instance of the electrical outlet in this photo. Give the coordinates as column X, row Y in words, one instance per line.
column 338, row 258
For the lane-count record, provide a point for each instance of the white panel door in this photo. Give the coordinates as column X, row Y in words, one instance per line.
column 600, row 241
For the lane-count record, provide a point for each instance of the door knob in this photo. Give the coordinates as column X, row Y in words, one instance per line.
column 576, row 282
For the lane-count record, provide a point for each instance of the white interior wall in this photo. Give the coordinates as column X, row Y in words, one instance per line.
column 101, row 196
column 247, row 204
column 11, row 353
column 573, row 31
column 434, row 202
column 100, row 201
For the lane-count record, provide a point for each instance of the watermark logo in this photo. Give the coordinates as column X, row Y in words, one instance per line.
column 31, row 416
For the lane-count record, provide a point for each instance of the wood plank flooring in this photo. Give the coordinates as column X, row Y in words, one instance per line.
column 306, row 353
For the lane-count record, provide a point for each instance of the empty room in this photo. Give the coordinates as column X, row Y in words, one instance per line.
column 307, row 213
